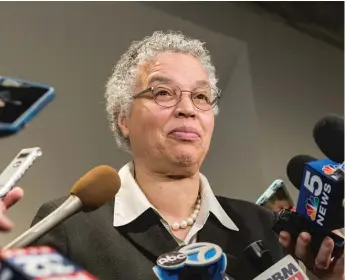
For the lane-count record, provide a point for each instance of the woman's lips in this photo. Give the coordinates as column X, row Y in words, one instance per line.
column 185, row 136
column 185, row 133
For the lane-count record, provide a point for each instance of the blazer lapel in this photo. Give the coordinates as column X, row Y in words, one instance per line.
column 149, row 235
column 232, row 243
column 229, row 240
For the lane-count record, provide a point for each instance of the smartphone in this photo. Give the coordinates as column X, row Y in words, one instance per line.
column 20, row 101
column 17, row 167
column 276, row 197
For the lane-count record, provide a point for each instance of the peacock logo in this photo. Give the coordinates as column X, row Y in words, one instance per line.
column 312, row 204
column 329, row 169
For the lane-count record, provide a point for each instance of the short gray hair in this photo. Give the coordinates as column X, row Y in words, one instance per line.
column 120, row 86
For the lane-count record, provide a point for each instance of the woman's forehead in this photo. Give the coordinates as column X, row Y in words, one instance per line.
column 174, row 67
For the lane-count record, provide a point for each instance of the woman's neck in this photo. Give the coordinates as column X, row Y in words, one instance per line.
column 173, row 196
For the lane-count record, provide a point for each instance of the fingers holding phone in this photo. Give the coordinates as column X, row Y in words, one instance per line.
column 11, row 198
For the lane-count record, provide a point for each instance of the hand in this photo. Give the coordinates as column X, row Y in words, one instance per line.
column 322, row 266
column 10, row 199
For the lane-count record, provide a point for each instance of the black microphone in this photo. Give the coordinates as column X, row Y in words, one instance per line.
column 295, row 169
column 259, row 255
column 41, row 262
column 320, row 202
column 321, row 196
column 260, row 258
column 329, row 136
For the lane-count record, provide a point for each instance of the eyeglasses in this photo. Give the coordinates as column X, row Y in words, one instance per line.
column 169, row 95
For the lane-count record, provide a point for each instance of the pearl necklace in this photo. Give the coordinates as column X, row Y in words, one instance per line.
column 191, row 219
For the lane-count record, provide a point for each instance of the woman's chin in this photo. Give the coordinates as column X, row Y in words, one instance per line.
column 186, row 157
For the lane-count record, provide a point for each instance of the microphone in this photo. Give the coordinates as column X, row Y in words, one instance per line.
column 90, row 192
column 320, row 203
column 202, row 260
column 260, row 257
column 321, row 192
column 39, row 263
column 295, row 169
column 329, row 136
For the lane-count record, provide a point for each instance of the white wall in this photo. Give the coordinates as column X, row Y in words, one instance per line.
column 276, row 83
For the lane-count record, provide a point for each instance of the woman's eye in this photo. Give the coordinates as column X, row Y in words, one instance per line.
column 202, row 97
column 163, row 92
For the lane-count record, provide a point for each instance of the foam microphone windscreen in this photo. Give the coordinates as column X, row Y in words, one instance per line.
column 295, row 169
column 97, row 186
column 329, row 136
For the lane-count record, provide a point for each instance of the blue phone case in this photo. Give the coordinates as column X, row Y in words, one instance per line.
column 32, row 111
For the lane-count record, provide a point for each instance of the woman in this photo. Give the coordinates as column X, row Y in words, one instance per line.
column 162, row 102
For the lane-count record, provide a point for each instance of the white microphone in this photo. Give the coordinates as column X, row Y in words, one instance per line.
column 91, row 191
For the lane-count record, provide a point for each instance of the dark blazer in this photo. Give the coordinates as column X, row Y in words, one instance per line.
column 129, row 252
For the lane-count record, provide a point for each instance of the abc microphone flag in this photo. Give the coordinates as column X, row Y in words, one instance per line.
column 200, row 260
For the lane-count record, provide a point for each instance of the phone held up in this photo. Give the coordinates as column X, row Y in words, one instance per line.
column 20, row 102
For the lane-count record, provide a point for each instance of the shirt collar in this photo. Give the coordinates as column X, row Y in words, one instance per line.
column 130, row 201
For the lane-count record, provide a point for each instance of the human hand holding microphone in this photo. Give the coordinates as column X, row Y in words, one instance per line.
column 311, row 234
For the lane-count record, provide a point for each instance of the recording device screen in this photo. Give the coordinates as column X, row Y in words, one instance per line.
column 279, row 200
column 16, row 98
column 23, row 155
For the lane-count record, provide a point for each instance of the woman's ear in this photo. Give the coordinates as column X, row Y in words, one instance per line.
column 122, row 123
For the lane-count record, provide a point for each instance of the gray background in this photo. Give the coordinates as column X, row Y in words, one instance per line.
column 276, row 82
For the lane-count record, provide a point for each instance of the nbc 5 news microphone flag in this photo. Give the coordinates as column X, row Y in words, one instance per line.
column 321, row 194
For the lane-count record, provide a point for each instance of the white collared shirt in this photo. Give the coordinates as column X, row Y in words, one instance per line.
column 130, row 203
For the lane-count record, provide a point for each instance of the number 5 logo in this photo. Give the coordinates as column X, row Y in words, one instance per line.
column 201, row 254
column 313, row 183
